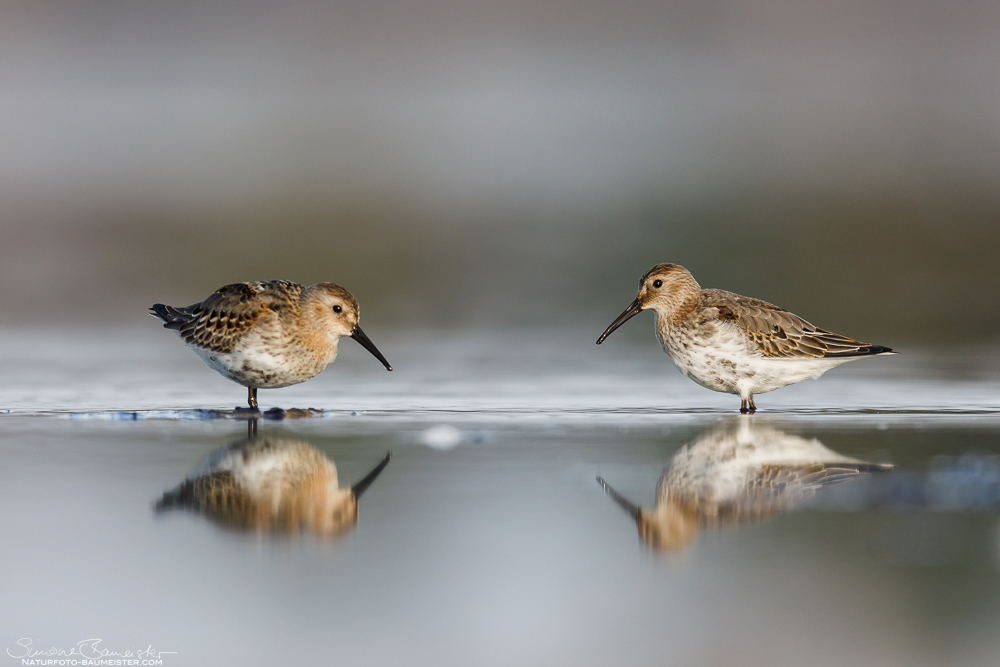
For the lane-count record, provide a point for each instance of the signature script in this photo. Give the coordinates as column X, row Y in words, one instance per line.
column 87, row 648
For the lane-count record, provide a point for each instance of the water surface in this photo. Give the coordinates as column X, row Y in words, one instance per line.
column 487, row 539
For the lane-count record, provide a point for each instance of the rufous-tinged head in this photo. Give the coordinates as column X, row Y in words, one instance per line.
column 664, row 285
column 668, row 527
column 340, row 509
column 333, row 307
column 664, row 288
column 325, row 513
column 336, row 311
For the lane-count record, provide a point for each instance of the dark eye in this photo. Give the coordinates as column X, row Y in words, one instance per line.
column 657, row 283
column 337, row 309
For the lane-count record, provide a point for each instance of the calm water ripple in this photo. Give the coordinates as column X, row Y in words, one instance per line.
column 853, row 520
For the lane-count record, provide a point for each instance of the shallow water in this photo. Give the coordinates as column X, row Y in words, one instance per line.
column 487, row 540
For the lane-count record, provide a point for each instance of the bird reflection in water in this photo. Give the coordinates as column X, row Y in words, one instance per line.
column 267, row 484
column 737, row 473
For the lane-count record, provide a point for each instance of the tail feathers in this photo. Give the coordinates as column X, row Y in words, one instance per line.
column 171, row 317
column 175, row 498
column 865, row 351
column 875, row 467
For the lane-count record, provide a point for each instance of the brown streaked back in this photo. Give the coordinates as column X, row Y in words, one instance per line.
column 774, row 488
column 778, row 333
column 221, row 320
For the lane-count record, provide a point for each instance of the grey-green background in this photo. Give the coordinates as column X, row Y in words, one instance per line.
column 505, row 164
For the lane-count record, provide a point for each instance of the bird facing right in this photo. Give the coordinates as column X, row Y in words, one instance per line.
column 735, row 344
column 268, row 334
column 269, row 484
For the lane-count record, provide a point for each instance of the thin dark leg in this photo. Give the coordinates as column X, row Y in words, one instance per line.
column 743, row 407
column 251, row 429
column 252, row 397
column 753, row 406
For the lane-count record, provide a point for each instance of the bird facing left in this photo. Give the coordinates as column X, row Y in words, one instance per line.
column 268, row 334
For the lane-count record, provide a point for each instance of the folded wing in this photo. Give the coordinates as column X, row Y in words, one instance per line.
column 773, row 489
column 221, row 320
column 778, row 333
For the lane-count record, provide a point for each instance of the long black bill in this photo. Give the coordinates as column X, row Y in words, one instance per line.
column 633, row 510
column 633, row 309
column 366, row 343
column 367, row 480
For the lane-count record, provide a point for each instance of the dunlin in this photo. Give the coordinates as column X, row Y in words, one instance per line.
column 732, row 343
column 268, row 334
column 737, row 474
column 271, row 485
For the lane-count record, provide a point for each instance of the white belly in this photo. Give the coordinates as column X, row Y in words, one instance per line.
column 724, row 362
column 718, row 466
column 256, row 363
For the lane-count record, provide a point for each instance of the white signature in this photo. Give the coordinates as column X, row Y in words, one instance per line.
column 87, row 649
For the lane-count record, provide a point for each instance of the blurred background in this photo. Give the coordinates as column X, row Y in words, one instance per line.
column 475, row 172
column 505, row 164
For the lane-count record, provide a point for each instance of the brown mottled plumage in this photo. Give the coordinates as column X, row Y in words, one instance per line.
column 777, row 333
column 218, row 322
column 268, row 334
column 769, row 490
column 737, row 474
column 732, row 343
column 266, row 485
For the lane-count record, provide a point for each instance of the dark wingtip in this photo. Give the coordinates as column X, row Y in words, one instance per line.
column 175, row 498
column 171, row 317
column 866, row 351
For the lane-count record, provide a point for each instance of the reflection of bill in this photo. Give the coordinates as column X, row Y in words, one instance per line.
column 736, row 474
column 267, row 484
